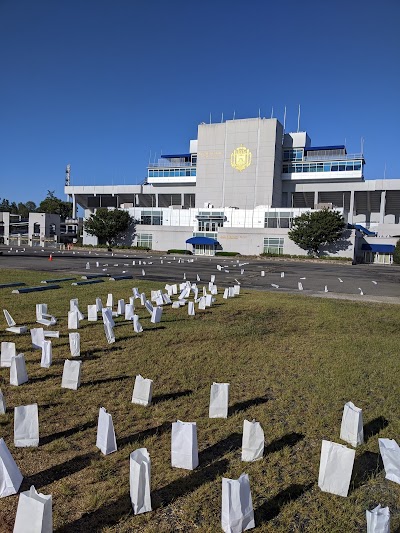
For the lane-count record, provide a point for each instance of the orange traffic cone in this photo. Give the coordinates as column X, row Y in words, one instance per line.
column 50, row 257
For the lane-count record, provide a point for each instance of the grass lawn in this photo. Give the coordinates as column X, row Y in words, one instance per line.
column 292, row 362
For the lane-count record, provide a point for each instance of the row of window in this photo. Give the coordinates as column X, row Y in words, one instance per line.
column 144, row 239
column 330, row 166
column 295, row 154
column 210, row 225
column 273, row 245
column 172, row 172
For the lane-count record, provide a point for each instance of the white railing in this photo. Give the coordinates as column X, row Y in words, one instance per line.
column 333, row 157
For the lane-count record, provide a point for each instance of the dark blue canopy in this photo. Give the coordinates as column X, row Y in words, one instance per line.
column 381, row 248
column 202, row 240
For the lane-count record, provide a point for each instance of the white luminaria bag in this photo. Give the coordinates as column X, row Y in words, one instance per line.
column 156, row 315
column 219, row 399
column 34, row 513
column 136, row 324
column 92, row 313
column 226, row 294
column 110, row 301
column 71, row 378
column 142, row 391
column 390, row 451
column 26, row 426
column 37, row 336
column 74, row 306
column 18, row 374
column 139, row 480
column 73, row 320
column 237, row 513
column 3, row 406
column 105, row 441
column 107, row 316
column 202, row 303
column 7, row 351
column 148, row 305
column 99, row 304
column 378, row 520
column 252, row 441
column 143, row 298
column 191, row 310
column 108, row 330
column 121, row 307
column 135, row 292
column 352, row 430
column 75, row 344
column 10, row 476
column 129, row 311
column 184, row 452
column 47, row 354
column 335, row 468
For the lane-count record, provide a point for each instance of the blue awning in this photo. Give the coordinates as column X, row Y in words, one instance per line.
column 316, row 148
column 175, row 156
column 202, row 240
column 380, row 248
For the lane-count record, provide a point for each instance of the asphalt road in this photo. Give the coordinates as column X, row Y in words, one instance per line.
column 377, row 282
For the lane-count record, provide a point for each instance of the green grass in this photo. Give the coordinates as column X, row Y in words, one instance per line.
column 292, row 363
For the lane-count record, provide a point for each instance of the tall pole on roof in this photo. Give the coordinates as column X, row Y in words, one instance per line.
column 259, row 112
column 222, row 118
column 210, row 117
column 272, row 111
column 284, row 120
column 298, row 120
column 234, row 113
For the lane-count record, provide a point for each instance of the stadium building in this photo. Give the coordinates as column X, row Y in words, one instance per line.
column 240, row 185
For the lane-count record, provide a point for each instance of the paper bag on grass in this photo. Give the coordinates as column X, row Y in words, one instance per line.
column 139, row 481
column 129, row 311
column 237, row 513
column 390, row 452
column 137, row 326
column 75, row 344
column 37, row 336
column 73, row 320
column 3, row 406
column 10, row 476
column 335, row 468
column 378, row 520
column 26, row 426
column 184, row 452
column 352, row 430
column 47, row 355
column 34, row 513
column 7, row 351
column 18, row 373
column 71, row 378
column 106, row 440
column 156, row 315
column 252, row 441
column 92, row 313
column 142, row 391
column 219, row 399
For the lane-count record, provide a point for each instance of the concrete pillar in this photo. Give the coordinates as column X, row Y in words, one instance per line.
column 382, row 207
column 351, row 210
column 73, row 206
column 315, row 198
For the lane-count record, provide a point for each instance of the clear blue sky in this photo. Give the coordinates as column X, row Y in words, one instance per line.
column 101, row 83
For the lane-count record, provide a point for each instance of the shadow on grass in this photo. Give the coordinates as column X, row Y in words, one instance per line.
column 367, row 465
column 43, row 378
column 90, row 353
column 287, row 440
column 157, row 430
column 271, row 508
column 103, row 380
column 242, row 406
column 170, row 396
column 110, row 515
column 57, row 472
column 67, row 432
column 232, row 443
column 374, row 427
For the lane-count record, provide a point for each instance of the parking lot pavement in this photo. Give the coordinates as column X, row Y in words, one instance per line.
column 373, row 282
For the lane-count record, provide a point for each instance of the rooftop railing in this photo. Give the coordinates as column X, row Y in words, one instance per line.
column 164, row 163
column 344, row 157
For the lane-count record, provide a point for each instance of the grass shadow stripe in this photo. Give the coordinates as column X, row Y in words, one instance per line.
column 271, row 508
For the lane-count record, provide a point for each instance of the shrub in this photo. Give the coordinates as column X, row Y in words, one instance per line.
column 185, row 252
column 396, row 253
column 229, row 254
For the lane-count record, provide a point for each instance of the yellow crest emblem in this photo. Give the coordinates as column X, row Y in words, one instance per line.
column 240, row 158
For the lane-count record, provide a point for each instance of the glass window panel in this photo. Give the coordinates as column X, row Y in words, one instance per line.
column 327, row 167
column 342, row 167
column 350, row 166
column 335, row 167
column 357, row 165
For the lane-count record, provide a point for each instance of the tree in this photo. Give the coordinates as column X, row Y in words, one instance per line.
column 52, row 204
column 317, row 228
column 396, row 253
column 108, row 225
